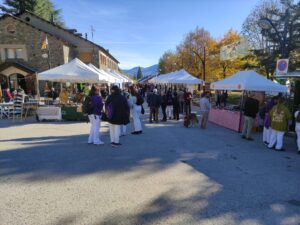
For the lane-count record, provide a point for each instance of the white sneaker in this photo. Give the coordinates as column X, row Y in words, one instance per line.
column 99, row 143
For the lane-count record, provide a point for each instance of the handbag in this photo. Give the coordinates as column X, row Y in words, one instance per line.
column 104, row 117
column 143, row 110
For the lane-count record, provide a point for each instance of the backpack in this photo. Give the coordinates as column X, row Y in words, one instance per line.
column 139, row 100
column 87, row 106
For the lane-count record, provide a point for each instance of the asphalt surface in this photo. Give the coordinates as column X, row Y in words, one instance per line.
column 168, row 175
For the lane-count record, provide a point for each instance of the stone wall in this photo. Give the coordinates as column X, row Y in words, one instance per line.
column 33, row 38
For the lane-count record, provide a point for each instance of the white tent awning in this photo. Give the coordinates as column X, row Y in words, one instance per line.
column 103, row 74
column 248, row 81
column 75, row 71
column 177, row 77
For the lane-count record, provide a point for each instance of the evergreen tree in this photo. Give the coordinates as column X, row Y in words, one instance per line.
column 139, row 74
column 42, row 8
column 46, row 9
column 17, row 6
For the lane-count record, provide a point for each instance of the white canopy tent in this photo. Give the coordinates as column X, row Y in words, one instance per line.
column 177, row 77
column 123, row 77
column 107, row 76
column 248, row 81
column 75, row 71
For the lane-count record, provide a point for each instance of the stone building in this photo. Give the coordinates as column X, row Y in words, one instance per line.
column 21, row 56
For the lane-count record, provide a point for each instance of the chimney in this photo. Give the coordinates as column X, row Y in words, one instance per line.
column 72, row 30
column 52, row 18
column 86, row 37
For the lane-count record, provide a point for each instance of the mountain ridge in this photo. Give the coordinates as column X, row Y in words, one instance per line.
column 146, row 71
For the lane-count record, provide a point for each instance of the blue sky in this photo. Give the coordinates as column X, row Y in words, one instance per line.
column 138, row 32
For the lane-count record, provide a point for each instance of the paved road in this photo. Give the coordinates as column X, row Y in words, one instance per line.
column 168, row 175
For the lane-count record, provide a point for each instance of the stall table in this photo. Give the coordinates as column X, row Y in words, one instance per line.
column 225, row 118
column 49, row 113
column 72, row 113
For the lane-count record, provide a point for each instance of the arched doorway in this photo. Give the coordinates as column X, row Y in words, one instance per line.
column 16, row 80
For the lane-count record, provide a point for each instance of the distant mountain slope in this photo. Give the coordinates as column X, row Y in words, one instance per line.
column 147, row 71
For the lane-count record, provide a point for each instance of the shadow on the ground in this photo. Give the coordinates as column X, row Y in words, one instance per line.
column 231, row 191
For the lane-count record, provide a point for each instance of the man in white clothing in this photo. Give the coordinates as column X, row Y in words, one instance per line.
column 204, row 108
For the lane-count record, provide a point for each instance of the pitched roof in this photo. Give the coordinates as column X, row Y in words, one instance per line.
column 18, row 65
column 34, row 27
column 59, row 27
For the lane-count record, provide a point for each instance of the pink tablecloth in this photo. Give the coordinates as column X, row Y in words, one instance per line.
column 225, row 118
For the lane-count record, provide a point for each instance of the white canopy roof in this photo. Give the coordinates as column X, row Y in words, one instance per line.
column 177, row 77
column 248, row 81
column 122, row 76
column 106, row 76
column 75, row 71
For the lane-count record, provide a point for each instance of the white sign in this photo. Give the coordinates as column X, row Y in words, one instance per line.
column 235, row 50
column 282, row 67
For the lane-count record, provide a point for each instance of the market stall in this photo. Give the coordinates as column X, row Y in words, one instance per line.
column 179, row 77
column 243, row 81
column 73, row 72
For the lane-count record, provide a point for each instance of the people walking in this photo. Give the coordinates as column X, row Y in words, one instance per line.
column 297, row 127
column 267, row 129
column 136, row 101
column 204, row 107
column 176, row 106
column 251, row 108
column 280, row 116
column 154, row 102
column 164, row 106
column 117, row 112
column 95, row 116
column 169, row 104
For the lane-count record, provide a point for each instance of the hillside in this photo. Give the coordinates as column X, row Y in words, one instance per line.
column 147, row 71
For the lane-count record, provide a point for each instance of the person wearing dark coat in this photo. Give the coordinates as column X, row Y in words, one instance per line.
column 176, row 106
column 251, row 108
column 154, row 102
column 117, row 111
column 164, row 106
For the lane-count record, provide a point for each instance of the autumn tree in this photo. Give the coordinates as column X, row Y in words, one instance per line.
column 229, row 66
column 168, row 62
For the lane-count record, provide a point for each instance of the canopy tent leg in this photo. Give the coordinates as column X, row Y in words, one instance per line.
column 37, row 87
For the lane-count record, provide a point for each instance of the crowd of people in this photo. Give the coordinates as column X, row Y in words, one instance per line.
column 117, row 107
column 276, row 118
column 170, row 101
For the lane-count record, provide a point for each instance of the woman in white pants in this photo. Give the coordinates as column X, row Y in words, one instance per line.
column 136, row 109
column 279, row 116
column 267, row 130
column 297, row 127
column 117, row 112
column 95, row 117
column 169, row 104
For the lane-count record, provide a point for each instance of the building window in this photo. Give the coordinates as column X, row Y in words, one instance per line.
column 14, row 53
column 85, row 57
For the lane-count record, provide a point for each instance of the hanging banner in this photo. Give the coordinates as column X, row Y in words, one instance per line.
column 282, row 67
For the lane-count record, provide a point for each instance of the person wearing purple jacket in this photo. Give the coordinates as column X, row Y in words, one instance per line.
column 95, row 118
column 267, row 121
